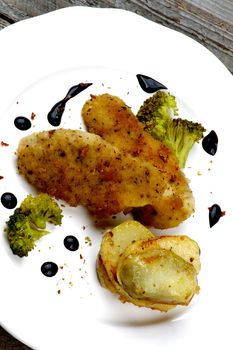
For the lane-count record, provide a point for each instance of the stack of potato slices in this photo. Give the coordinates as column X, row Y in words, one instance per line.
column 148, row 270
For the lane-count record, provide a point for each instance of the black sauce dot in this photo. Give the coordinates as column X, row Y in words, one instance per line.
column 148, row 84
column 210, row 143
column 215, row 213
column 49, row 269
column 22, row 123
column 71, row 243
column 8, row 200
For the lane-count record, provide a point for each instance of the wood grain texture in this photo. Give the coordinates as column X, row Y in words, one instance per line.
column 210, row 22
column 7, row 342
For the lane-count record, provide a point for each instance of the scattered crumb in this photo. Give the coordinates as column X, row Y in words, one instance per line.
column 88, row 240
column 33, row 116
column 59, row 291
column 199, row 173
column 82, row 258
column 4, row 143
column 1, row 177
column 84, row 227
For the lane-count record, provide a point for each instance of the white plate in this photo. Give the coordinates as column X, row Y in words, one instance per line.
column 41, row 59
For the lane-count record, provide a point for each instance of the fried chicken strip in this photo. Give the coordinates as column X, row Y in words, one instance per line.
column 109, row 117
column 82, row 168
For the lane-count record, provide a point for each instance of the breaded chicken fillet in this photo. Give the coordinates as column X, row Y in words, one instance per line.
column 109, row 117
column 82, row 168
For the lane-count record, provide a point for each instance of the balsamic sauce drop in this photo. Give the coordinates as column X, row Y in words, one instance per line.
column 8, row 200
column 149, row 84
column 49, row 269
column 215, row 213
column 71, row 243
column 56, row 112
column 210, row 143
column 22, row 123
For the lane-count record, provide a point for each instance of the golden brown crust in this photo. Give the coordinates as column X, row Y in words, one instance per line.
column 109, row 117
column 82, row 168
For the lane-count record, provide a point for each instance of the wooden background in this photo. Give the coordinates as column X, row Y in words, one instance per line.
column 210, row 22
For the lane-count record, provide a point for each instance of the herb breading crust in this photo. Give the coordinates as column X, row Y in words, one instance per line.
column 109, row 117
column 82, row 168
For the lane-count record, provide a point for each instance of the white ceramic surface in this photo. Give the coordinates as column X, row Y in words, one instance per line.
column 42, row 58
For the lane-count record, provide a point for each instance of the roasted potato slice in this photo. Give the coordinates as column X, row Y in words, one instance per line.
column 182, row 246
column 124, row 297
column 113, row 245
column 103, row 276
column 159, row 276
column 116, row 240
column 148, row 270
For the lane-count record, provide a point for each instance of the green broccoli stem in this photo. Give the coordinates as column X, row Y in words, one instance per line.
column 182, row 151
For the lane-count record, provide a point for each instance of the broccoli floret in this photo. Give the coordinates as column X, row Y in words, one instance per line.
column 41, row 209
column 21, row 235
column 157, row 114
column 28, row 223
column 181, row 136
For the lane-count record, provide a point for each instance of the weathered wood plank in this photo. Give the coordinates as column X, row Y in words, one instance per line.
column 7, row 342
column 3, row 23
